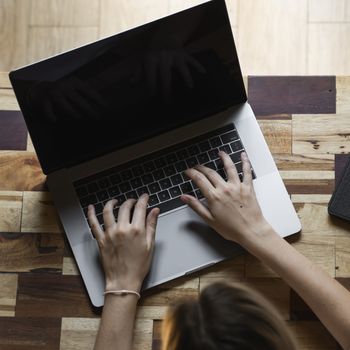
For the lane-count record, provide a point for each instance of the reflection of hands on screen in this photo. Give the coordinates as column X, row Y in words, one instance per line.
column 158, row 68
column 68, row 98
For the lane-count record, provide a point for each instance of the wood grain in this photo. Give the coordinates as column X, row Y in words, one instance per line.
column 28, row 175
column 39, row 213
column 10, row 211
column 292, row 95
column 8, row 290
column 13, row 131
column 31, row 252
column 342, row 256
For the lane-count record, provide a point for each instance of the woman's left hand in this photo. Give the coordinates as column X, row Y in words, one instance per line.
column 126, row 245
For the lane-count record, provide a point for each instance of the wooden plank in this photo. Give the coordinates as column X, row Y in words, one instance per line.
column 305, row 186
column 14, row 29
column 311, row 198
column 39, row 213
column 327, row 11
column 292, row 95
column 10, row 211
column 70, row 267
column 21, row 171
column 31, row 252
column 343, row 94
column 52, row 295
column 340, row 163
column 5, row 81
column 305, row 162
column 8, row 101
column 278, row 135
column 8, row 291
column 48, row 41
column 13, row 131
column 26, row 333
column 311, row 136
column 157, row 335
column 64, row 13
column 342, row 256
column 312, row 335
column 80, row 333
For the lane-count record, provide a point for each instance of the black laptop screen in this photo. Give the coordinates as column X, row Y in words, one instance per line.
column 131, row 86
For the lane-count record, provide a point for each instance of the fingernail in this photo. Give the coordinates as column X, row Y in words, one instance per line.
column 185, row 199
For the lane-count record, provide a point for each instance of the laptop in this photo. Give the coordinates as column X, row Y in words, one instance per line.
column 128, row 114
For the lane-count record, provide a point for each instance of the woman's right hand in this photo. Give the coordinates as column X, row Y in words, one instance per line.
column 232, row 208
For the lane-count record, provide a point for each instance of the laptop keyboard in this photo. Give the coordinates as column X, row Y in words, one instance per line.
column 161, row 174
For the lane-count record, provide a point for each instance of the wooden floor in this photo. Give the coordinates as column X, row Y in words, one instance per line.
column 294, row 37
column 43, row 304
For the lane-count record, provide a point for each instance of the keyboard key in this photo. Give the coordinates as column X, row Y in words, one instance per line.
column 160, row 163
column 149, row 167
column 98, row 208
column 236, row 146
column 82, row 191
column 92, row 187
column 137, row 170
column 199, row 194
column 171, row 204
column 136, row 182
column 169, row 170
column 121, row 199
column 186, row 187
column 175, row 191
column 154, row 187
column 210, row 165
column 219, row 164
column 131, row 194
column 147, row 179
column 185, row 177
column 236, row 157
column 90, row 199
column 126, row 175
column 176, row 179
column 193, row 150
column 165, row 183
column 204, row 146
column 214, row 153
column 239, row 167
column 164, row 196
column 240, row 177
column 180, row 166
column 104, row 183
column 203, row 158
column 142, row 190
column 102, row 195
column 100, row 219
column 171, row 158
column 113, row 191
column 158, row 174
column 125, row 187
column 153, row 200
column 225, row 148
column 115, row 179
column 182, row 154
column 215, row 141
column 229, row 137
column 191, row 162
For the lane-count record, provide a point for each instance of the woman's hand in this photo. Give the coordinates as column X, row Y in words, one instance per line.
column 126, row 245
column 233, row 210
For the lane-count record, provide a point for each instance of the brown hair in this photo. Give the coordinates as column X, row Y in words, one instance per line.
column 225, row 317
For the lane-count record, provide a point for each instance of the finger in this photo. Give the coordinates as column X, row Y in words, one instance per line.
column 211, row 174
column 124, row 212
column 230, row 168
column 94, row 224
column 108, row 215
column 247, row 172
column 198, row 207
column 200, row 180
column 139, row 216
column 151, row 224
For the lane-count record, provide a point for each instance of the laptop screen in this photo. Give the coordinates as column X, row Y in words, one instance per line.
column 131, row 86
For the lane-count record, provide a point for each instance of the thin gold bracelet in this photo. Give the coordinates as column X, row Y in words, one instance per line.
column 122, row 292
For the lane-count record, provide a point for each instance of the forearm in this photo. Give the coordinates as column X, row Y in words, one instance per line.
column 117, row 323
column 326, row 297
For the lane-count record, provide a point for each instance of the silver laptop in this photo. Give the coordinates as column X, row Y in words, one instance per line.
column 127, row 115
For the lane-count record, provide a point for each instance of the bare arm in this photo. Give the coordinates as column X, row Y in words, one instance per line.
column 126, row 248
column 233, row 211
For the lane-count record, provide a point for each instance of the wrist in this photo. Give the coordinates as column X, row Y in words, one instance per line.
column 123, row 285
